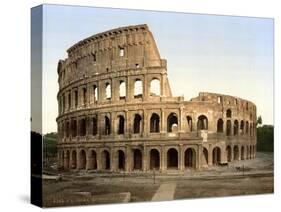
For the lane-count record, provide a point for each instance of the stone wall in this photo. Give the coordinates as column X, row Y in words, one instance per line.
column 112, row 118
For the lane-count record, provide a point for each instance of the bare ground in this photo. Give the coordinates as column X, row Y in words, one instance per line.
column 239, row 178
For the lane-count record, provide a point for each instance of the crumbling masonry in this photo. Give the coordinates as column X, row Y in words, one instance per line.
column 117, row 112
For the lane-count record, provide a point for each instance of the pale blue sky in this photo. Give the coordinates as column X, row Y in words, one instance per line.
column 222, row 54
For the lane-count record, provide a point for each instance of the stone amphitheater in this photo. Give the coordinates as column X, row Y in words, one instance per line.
column 117, row 112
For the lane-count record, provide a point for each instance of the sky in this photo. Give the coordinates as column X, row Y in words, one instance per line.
column 222, row 54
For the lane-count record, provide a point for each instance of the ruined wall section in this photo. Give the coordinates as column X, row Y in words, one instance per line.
column 115, row 50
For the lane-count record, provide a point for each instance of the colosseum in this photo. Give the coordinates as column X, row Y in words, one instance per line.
column 117, row 112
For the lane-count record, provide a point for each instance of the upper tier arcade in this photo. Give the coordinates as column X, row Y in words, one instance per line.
column 120, row 49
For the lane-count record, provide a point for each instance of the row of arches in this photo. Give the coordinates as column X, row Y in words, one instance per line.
column 80, row 160
column 155, row 158
column 75, row 128
column 90, row 125
column 240, row 153
column 73, row 98
column 235, row 128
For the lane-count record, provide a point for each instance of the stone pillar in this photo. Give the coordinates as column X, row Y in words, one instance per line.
column 145, row 88
column 128, row 157
column 162, row 122
column 99, row 165
column 80, row 94
column 163, row 165
column 210, row 157
column 127, row 123
column 129, row 89
column 73, row 99
column 239, row 153
column 112, row 160
column 144, row 158
column 162, row 85
column 115, row 88
column 101, row 91
column 181, row 158
column 89, row 94
column 199, row 155
column 181, row 121
column 224, row 155
column 146, row 122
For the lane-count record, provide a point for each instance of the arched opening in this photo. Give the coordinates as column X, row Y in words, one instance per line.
column 251, row 129
column 137, row 124
column 121, row 52
column 190, row 158
column 137, row 159
column 61, row 159
column 189, row 124
column 93, row 160
column 82, row 159
column 95, row 126
column 202, row 123
column 155, row 87
column 220, row 126
column 67, row 129
column 248, row 153
column 228, row 113
column 172, row 159
column 66, row 160
column 105, row 160
column 107, row 125
column 154, row 159
column 138, row 89
column 121, row 125
column 247, row 127
column 82, row 127
column 95, row 92
column 250, row 156
column 236, row 152
column 235, row 127
column 219, row 99
column 69, row 101
column 172, row 122
column 242, row 153
column 122, row 90
column 242, row 127
column 154, row 123
column 228, row 127
column 73, row 160
column 121, row 160
column 228, row 152
column 216, row 156
column 84, row 96
column 205, row 156
column 76, row 98
column 73, row 128
column 107, row 91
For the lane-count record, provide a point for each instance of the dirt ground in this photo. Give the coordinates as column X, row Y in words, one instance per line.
column 239, row 178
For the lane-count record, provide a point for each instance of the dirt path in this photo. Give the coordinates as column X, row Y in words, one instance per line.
column 165, row 192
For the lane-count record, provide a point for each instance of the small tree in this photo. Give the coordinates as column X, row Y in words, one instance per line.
column 259, row 121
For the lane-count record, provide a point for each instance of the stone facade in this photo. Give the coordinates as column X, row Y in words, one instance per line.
column 110, row 119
